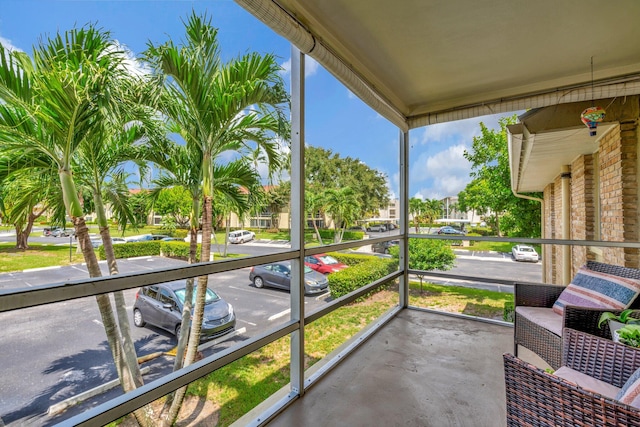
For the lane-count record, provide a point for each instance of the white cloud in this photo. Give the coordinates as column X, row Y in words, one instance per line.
column 310, row 69
column 460, row 129
column 442, row 174
column 448, row 161
column 350, row 95
column 8, row 45
column 130, row 62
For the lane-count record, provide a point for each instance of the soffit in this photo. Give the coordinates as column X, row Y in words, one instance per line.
column 431, row 57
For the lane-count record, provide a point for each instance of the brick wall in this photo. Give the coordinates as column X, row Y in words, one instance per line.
column 618, row 193
column 582, row 209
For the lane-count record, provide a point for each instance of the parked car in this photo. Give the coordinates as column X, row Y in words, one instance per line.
column 161, row 306
column 278, row 275
column 377, row 227
column 97, row 242
column 241, row 236
column 172, row 239
column 447, row 229
column 141, row 238
column 383, row 247
column 159, row 236
column 56, row 232
column 524, row 253
column 357, row 228
column 323, row 263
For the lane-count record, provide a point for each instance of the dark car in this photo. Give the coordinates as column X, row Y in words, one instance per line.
column 161, row 306
column 278, row 275
column 323, row 263
column 450, row 230
column 383, row 247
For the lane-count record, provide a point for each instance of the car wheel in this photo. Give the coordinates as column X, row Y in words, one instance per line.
column 137, row 318
column 178, row 330
column 257, row 282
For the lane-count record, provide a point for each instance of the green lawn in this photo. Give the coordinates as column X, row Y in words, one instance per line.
column 37, row 256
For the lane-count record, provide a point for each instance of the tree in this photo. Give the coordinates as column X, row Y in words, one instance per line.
column 277, row 197
column 174, row 202
column 217, row 108
column 324, row 169
column 416, row 207
column 66, row 96
column 428, row 254
column 343, row 207
column 490, row 189
column 314, row 203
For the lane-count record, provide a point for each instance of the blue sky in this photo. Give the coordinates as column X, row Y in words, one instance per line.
column 335, row 118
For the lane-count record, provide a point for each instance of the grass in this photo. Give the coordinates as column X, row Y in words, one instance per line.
column 242, row 385
column 37, row 256
column 458, row 299
column 494, row 246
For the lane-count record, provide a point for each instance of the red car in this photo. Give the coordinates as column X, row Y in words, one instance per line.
column 323, row 263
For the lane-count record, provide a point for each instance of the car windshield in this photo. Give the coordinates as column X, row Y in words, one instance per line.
column 307, row 269
column 328, row 259
column 209, row 298
column 525, row 249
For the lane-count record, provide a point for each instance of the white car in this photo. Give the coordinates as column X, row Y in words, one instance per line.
column 524, row 253
column 241, row 236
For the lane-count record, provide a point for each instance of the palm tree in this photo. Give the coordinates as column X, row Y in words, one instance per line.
column 343, row 207
column 69, row 91
column 416, row 208
column 219, row 108
column 313, row 202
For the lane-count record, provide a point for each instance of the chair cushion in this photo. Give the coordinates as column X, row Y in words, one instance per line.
column 588, row 383
column 543, row 316
column 630, row 391
column 598, row 290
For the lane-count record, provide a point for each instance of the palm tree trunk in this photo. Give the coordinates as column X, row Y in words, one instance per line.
column 121, row 310
column 174, row 400
column 315, row 227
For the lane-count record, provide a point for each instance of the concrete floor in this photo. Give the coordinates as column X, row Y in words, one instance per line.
column 421, row 369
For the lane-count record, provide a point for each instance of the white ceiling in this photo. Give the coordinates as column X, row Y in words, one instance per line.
column 428, row 58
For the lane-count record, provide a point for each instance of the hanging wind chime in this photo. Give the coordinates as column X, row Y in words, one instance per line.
column 594, row 114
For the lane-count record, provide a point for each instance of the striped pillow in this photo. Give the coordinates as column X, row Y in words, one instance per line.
column 630, row 391
column 598, row 290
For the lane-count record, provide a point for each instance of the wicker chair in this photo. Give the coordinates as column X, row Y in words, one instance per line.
column 537, row 398
column 540, row 340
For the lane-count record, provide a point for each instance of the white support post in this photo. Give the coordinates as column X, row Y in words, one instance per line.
column 297, row 218
column 404, row 219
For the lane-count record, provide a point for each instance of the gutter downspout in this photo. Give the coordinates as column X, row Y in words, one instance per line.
column 542, row 232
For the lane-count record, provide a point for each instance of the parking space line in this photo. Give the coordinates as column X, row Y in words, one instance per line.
column 278, row 315
column 258, row 292
column 247, row 322
column 97, row 322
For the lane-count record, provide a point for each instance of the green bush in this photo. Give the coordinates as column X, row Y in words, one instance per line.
column 180, row 233
column 328, row 234
column 351, row 258
column 509, row 311
column 133, row 249
column 179, row 250
column 359, row 275
column 481, row 231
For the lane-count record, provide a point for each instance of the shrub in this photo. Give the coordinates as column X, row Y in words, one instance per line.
column 178, row 250
column 180, row 233
column 328, row 234
column 351, row 258
column 133, row 249
column 359, row 275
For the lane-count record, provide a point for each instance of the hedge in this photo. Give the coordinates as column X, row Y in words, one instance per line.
column 352, row 258
column 360, row 274
column 327, row 234
column 173, row 249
